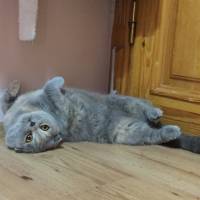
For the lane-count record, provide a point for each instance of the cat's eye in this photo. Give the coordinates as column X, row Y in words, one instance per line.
column 29, row 137
column 44, row 127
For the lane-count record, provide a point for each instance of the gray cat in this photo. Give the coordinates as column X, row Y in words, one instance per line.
column 45, row 118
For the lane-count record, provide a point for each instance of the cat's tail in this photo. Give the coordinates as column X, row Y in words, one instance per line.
column 187, row 142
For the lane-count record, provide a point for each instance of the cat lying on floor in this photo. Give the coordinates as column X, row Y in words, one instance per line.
column 45, row 118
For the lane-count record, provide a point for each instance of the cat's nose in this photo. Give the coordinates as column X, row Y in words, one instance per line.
column 32, row 124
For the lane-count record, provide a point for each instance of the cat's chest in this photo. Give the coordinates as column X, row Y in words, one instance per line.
column 80, row 116
column 87, row 119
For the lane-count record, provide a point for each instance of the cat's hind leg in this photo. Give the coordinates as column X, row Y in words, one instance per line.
column 139, row 108
column 153, row 114
column 134, row 132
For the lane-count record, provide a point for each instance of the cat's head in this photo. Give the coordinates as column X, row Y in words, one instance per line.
column 33, row 132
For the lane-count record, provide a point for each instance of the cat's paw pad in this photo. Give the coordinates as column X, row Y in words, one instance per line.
column 170, row 132
column 154, row 114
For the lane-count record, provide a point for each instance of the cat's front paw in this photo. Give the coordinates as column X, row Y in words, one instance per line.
column 13, row 89
column 170, row 132
column 154, row 114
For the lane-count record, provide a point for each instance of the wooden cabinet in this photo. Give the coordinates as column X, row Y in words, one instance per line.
column 165, row 60
column 120, row 42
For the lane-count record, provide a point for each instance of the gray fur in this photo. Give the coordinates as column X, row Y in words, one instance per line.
column 75, row 115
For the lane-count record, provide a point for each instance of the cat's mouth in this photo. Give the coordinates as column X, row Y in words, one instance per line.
column 58, row 139
column 18, row 150
column 55, row 142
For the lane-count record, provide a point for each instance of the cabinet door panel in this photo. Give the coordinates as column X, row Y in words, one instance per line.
column 186, row 56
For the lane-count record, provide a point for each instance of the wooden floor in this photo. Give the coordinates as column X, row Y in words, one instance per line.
column 87, row 171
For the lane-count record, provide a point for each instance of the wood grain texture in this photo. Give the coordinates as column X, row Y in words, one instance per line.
column 120, row 41
column 88, row 171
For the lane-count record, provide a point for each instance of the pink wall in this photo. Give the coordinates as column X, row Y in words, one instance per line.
column 73, row 40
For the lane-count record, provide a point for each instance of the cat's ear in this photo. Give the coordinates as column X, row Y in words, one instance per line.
column 56, row 82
